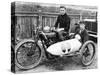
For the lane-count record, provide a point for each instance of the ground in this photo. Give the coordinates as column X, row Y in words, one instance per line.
column 65, row 63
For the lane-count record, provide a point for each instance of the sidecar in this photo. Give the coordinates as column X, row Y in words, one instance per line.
column 65, row 47
column 29, row 53
column 86, row 51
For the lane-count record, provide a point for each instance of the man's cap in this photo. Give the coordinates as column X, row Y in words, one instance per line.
column 63, row 7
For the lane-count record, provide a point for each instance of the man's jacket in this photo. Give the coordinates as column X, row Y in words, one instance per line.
column 84, row 34
column 63, row 21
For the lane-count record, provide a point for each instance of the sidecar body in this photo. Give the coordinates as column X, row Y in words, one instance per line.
column 64, row 47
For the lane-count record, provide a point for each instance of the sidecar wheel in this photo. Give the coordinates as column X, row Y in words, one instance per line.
column 28, row 54
column 88, row 52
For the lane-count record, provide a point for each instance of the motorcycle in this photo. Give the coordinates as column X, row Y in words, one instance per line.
column 29, row 52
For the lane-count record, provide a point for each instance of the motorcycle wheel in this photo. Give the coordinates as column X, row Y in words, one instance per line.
column 28, row 54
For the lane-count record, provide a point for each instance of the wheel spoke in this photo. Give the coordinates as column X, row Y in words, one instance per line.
column 88, row 53
column 22, row 56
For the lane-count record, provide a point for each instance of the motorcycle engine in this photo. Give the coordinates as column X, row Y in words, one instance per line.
column 48, row 36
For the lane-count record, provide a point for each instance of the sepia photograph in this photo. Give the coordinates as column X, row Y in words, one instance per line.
column 48, row 37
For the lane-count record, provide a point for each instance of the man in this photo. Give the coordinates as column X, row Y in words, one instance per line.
column 63, row 21
column 82, row 31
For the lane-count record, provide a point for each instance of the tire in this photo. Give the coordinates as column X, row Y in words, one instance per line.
column 85, row 52
column 17, row 51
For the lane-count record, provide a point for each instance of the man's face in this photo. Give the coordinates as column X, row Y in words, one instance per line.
column 82, row 26
column 62, row 11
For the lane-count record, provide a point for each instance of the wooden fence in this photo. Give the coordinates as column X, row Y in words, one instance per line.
column 26, row 22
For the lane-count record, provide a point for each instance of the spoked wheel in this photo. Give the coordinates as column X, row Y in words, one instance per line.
column 88, row 53
column 28, row 54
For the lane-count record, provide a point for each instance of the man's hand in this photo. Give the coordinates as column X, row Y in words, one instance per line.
column 71, row 35
column 53, row 28
column 59, row 29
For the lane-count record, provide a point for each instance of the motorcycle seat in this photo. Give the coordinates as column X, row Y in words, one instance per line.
column 50, row 34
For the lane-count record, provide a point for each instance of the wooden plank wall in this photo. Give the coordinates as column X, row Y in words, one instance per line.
column 26, row 24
